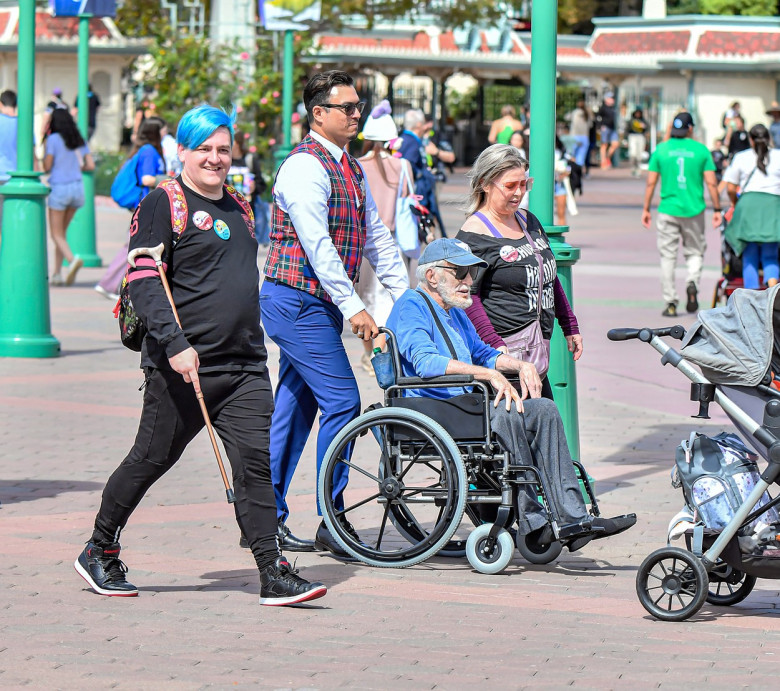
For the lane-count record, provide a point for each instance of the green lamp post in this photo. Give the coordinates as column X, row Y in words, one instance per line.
column 544, row 38
column 24, row 291
column 81, row 232
column 287, row 98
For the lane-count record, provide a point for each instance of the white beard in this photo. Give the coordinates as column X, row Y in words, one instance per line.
column 453, row 298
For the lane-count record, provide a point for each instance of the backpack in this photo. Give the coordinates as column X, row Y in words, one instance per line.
column 716, row 475
column 126, row 189
column 132, row 330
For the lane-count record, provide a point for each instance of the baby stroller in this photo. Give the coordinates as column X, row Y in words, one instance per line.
column 737, row 348
column 731, row 271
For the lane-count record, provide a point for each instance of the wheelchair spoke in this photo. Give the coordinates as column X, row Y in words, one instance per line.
column 360, row 470
column 382, row 527
column 358, row 504
column 411, row 516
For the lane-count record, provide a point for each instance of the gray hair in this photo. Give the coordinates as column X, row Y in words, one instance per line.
column 412, row 118
column 422, row 270
column 490, row 165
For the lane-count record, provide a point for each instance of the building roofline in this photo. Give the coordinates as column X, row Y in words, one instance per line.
column 686, row 20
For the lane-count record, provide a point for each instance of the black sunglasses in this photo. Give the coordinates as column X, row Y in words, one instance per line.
column 347, row 108
column 460, row 272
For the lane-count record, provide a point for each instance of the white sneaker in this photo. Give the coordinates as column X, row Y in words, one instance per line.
column 56, row 280
column 110, row 296
column 73, row 269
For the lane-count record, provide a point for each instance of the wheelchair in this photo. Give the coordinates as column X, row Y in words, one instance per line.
column 417, row 465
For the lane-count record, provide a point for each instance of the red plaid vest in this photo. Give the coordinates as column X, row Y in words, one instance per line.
column 287, row 262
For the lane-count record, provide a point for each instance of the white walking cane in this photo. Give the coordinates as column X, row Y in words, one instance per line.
column 156, row 254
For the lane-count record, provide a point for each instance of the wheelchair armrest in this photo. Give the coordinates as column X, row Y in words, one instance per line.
column 435, row 382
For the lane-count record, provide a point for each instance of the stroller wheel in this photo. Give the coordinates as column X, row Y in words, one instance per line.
column 728, row 585
column 672, row 584
column 534, row 553
column 489, row 560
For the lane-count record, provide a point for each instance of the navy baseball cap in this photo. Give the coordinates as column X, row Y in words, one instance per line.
column 450, row 250
column 681, row 123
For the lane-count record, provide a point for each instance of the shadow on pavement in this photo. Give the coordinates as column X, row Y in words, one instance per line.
column 13, row 491
column 654, row 451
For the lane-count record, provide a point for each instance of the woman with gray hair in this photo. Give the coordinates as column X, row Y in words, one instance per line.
column 518, row 296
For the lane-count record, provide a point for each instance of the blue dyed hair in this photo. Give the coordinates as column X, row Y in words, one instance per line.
column 198, row 124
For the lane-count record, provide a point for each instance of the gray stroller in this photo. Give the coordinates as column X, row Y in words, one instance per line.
column 737, row 349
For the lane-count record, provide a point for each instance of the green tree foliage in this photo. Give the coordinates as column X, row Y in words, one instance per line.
column 683, row 7
column 448, row 13
column 752, row 8
column 142, row 18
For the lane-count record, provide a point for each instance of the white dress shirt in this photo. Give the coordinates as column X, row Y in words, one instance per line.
column 302, row 190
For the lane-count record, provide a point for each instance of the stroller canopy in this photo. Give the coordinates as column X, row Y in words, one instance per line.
column 735, row 344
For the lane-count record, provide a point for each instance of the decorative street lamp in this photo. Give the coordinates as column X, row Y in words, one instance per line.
column 24, row 292
column 544, row 39
column 81, row 232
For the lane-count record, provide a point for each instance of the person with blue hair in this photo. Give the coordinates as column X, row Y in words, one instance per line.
column 209, row 255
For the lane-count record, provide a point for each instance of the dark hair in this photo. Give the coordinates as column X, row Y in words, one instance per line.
column 520, row 132
column 62, row 123
column 318, row 88
column 158, row 120
column 8, row 98
column 148, row 133
column 759, row 134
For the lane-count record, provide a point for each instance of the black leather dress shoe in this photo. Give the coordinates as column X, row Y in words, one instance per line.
column 289, row 543
column 326, row 542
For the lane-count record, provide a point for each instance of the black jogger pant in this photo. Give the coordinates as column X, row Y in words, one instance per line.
column 240, row 406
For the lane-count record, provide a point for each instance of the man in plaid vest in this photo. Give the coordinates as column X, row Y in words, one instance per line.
column 324, row 221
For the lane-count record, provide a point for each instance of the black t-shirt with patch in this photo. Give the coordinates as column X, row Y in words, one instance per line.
column 509, row 286
column 213, row 279
column 739, row 142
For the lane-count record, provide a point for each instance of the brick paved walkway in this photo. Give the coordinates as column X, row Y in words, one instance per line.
column 67, row 422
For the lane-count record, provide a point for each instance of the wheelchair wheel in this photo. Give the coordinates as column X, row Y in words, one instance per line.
column 489, row 561
column 404, row 468
column 405, row 525
column 534, row 553
column 728, row 585
column 672, row 584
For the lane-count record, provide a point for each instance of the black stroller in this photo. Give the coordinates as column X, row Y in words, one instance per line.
column 737, row 349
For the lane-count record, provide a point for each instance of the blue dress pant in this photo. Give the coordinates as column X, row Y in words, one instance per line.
column 314, row 373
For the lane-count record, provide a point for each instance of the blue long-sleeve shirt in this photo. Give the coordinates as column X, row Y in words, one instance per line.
column 424, row 352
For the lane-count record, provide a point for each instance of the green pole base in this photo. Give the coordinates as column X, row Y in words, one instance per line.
column 29, row 346
column 25, row 326
column 280, row 154
column 81, row 232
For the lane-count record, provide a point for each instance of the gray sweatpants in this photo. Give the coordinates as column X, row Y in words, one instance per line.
column 536, row 438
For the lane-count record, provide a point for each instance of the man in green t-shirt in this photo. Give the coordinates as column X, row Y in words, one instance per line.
column 683, row 165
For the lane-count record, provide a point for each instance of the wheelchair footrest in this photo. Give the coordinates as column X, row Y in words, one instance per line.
column 572, row 530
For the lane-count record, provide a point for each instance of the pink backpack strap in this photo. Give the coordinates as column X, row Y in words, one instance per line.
column 178, row 205
column 246, row 207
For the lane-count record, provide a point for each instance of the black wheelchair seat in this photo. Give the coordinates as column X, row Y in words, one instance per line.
column 462, row 416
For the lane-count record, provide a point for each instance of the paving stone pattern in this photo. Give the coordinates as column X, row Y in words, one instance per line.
column 65, row 423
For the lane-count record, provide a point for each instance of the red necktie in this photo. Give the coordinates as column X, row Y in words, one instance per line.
column 348, row 175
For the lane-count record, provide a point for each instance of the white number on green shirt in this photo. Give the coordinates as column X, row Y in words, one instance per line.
column 681, row 173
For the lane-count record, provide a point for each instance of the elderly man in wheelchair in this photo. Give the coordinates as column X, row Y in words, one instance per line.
column 448, row 444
